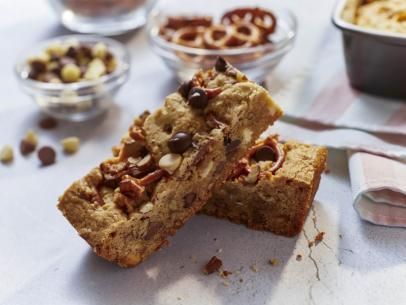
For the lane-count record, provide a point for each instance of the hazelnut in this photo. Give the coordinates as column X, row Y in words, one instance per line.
column 146, row 208
column 31, row 137
column 99, row 50
column 6, row 154
column 70, row 145
column 56, row 49
column 70, row 73
column 95, row 69
column 170, row 162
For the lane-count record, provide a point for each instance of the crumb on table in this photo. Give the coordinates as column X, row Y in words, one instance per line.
column 213, row 265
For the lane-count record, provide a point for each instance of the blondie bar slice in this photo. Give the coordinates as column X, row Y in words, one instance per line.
column 168, row 164
column 272, row 188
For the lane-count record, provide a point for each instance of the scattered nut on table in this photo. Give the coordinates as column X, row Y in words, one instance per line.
column 47, row 155
column 6, row 154
column 31, row 137
column 70, row 145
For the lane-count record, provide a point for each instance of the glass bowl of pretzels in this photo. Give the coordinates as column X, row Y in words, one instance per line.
column 190, row 35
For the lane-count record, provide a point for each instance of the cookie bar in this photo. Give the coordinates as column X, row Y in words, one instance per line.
column 168, row 164
column 272, row 188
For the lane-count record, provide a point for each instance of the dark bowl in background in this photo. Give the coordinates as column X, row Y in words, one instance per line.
column 375, row 60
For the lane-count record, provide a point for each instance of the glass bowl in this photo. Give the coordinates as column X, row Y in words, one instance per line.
column 77, row 101
column 103, row 17
column 256, row 62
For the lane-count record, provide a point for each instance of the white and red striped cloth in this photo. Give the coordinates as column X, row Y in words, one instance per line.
column 379, row 188
column 321, row 108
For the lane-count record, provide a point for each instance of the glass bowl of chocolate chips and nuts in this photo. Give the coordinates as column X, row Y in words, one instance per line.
column 190, row 35
column 74, row 77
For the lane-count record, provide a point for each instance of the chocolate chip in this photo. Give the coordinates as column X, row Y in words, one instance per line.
column 232, row 145
column 213, row 265
column 46, row 155
column 153, row 229
column 189, row 199
column 37, row 67
column 71, row 52
column 26, row 147
column 109, row 56
column 85, row 51
column 265, row 153
column 180, row 142
column 184, row 89
column 197, row 98
column 48, row 123
column 221, row 65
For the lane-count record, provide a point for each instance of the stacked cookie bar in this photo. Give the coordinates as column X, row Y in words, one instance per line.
column 166, row 169
column 272, row 188
column 171, row 162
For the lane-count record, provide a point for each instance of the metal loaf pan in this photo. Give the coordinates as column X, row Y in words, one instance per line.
column 375, row 60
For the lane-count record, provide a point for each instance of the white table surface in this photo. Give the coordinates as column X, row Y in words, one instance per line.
column 43, row 261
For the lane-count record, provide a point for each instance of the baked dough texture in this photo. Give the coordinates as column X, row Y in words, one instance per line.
column 278, row 202
column 127, row 207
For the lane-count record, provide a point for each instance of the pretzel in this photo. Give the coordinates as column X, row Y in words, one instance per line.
column 245, row 27
column 176, row 23
column 248, row 33
column 264, row 20
column 243, row 167
column 217, row 36
column 280, row 153
column 189, row 36
column 166, row 33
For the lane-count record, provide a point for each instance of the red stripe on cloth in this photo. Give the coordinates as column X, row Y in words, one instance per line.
column 377, row 168
column 398, row 119
column 382, row 173
column 333, row 100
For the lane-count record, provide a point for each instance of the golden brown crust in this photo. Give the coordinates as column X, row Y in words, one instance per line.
column 279, row 203
column 123, row 213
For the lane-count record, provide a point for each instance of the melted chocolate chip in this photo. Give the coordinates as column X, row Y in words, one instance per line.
column 221, row 65
column 184, row 89
column 197, row 98
column 26, row 147
column 46, row 155
column 265, row 153
column 189, row 199
column 37, row 67
column 231, row 145
column 71, row 52
column 153, row 229
column 180, row 142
